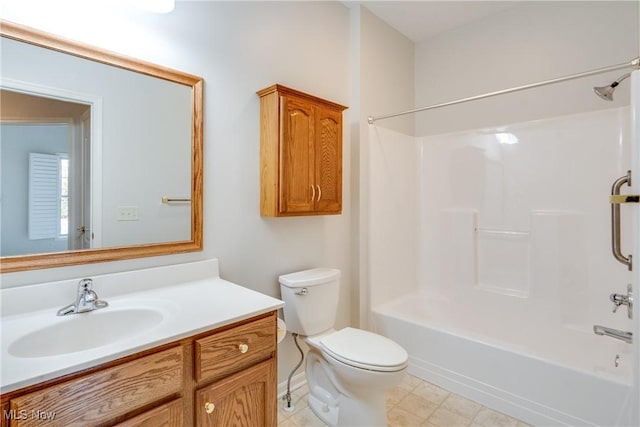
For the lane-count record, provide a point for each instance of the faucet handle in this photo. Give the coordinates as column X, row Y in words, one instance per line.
column 85, row 284
column 620, row 299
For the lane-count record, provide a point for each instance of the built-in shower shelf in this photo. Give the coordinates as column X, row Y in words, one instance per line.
column 508, row 261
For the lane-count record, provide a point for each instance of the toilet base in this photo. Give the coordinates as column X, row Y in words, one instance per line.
column 345, row 402
column 328, row 413
column 349, row 412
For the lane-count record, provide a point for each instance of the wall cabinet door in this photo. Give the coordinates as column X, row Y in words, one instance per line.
column 300, row 153
column 297, row 157
column 243, row 399
column 328, row 161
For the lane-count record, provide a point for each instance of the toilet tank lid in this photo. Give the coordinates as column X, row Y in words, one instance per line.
column 314, row 276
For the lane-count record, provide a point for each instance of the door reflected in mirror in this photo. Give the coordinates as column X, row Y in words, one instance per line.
column 46, row 157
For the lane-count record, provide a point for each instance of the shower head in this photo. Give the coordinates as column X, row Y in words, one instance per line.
column 606, row 92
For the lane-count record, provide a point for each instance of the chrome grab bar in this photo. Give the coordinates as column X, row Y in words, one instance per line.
column 615, row 220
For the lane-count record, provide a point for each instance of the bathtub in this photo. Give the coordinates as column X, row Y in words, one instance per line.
column 565, row 377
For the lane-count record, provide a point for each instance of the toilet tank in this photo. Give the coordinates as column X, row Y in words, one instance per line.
column 311, row 300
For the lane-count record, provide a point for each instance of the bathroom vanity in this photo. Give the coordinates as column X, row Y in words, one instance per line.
column 210, row 360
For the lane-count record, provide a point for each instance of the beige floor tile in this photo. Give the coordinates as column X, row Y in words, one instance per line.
column 287, row 423
column 431, row 392
column 412, row 403
column 490, row 418
column 417, row 405
column 396, row 395
column 399, row 417
column 461, row 406
column 306, row 418
column 409, row 382
column 445, row 418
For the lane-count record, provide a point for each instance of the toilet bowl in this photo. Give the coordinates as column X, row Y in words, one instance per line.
column 348, row 371
column 348, row 374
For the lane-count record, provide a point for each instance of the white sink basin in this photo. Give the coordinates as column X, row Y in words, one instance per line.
column 86, row 331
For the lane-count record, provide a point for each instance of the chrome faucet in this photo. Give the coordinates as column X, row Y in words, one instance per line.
column 613, row 333
column 621, row 299
column 86, row 300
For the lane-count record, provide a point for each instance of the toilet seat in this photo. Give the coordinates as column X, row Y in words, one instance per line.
column 365, row 350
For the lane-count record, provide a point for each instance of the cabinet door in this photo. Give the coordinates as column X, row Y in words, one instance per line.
column 328, row 166
column 247, row 398
column 296, row 156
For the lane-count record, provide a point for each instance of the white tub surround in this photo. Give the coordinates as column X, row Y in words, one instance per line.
column 512, row 267
column 190, row 298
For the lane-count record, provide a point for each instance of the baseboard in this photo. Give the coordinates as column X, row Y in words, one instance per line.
column 297, row 381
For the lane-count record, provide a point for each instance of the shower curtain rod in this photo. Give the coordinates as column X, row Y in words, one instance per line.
column 635, row 63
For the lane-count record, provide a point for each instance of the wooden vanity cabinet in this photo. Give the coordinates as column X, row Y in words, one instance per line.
column 300, row 153
column 222, row 377
column 246, row 397
column 243, row 399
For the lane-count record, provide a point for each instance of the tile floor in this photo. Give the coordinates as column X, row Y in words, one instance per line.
column 412, row 403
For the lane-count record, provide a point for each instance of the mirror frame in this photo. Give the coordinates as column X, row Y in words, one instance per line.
column 83, row 256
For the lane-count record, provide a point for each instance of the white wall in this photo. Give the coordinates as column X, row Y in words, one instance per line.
column 385, row 81
column 238, row 48
column 528, row 43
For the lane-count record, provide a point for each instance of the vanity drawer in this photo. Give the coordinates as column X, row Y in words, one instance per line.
column 167, row 415
column 234, row 349
column 103, row 395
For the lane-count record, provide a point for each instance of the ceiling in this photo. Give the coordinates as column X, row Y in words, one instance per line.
column 421, row 20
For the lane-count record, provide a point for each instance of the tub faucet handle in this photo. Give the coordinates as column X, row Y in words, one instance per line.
column 621, row 299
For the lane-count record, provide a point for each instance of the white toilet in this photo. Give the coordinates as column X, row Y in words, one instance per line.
column 348, row 371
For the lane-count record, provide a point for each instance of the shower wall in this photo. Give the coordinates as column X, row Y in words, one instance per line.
column 394, row 218
column 521, row 212
column 545, row 40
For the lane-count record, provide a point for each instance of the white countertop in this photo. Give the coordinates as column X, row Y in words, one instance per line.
column 189, row 307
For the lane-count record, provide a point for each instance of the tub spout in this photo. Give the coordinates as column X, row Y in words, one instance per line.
column 614, row 333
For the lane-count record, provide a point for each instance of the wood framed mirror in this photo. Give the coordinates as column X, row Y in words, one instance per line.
column 134, row 183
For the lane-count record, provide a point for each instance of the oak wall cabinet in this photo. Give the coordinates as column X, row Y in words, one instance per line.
column 222, row 377
column 300, row 153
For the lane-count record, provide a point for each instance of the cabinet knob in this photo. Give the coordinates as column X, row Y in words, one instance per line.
column 243, row 348
column 209, row 407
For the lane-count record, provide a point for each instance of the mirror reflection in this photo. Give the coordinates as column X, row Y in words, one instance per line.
column 95, row 156
column 48, row 198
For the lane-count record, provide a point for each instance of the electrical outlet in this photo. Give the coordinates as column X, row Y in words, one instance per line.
column 127, row 213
